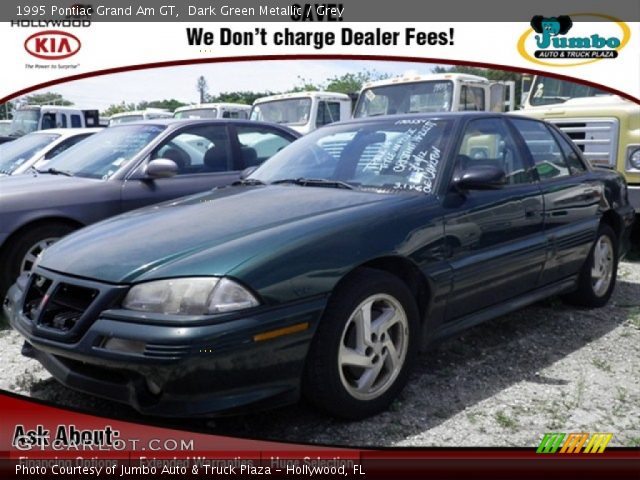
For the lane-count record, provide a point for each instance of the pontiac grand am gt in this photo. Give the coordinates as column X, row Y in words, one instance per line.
column 327, row 269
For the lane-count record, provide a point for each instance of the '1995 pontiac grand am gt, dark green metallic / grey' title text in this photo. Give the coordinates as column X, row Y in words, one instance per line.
column 327, row 269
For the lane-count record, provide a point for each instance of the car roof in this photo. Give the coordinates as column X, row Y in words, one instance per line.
column 178, row 122
column 68, row 132
column 141, row 112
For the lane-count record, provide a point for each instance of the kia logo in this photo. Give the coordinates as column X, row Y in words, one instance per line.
column 52, row 45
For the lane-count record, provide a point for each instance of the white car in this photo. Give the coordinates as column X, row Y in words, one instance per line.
column 35, row 149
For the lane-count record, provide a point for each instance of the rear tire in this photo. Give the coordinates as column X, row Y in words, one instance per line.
column 354, row 370
column 597, row 278
column 22, row 250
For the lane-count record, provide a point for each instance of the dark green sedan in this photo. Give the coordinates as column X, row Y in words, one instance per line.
column 327, row 269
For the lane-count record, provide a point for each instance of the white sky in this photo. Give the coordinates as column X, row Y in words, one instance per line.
column 180, row 82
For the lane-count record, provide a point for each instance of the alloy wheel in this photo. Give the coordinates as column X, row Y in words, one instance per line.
column 34, row 252
column 373, row 347
column 603, row 263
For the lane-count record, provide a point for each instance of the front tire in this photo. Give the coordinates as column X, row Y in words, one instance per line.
column 364, row 347
column 598, row 275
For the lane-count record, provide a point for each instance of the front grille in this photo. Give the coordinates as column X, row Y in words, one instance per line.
column 38, row 288
column 597, row 138
column 59, row 307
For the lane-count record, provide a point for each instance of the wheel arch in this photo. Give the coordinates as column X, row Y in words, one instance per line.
column 36, row 223
column 612, row 219
column 407, row 271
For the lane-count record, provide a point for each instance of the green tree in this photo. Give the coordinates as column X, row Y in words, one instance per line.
column 170, row 104
column 246, row 97
column 349, row 83
column 305, row 85
column 47, row 98
column 118, row 108
column 353, row 82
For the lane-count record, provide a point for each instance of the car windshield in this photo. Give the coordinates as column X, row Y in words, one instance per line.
column 24, row 121
column 394, row 155
column 198, row 113
column 15, row 153
column 125, row 119
column 292, row 111
column 547, row 91
column 103, row 154
column 418, row 97
column 5, row 128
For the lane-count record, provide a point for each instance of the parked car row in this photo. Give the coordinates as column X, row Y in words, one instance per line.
column 320, row 271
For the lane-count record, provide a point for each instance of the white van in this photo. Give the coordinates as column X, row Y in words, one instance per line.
column 303, row 111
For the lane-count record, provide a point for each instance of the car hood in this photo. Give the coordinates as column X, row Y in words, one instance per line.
column 157, row 241
column 28, row 185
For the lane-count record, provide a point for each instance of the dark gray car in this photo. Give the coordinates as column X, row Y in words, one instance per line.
column 122, row 168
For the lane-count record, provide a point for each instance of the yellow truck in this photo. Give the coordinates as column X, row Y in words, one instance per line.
column 605, row 127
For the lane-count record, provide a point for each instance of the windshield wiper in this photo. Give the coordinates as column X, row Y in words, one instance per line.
column 315, row 182
column 249, row 181
column 55, row 171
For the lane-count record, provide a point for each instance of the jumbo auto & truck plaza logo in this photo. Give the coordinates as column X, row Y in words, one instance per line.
column 563, row 41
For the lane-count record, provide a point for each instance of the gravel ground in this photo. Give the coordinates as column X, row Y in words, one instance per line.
column 548, row 367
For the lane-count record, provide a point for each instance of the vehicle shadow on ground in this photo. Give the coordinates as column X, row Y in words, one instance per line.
column 452, row 376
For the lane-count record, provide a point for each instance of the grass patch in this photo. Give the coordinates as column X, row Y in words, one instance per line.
column 634, row 442
column 505, row 421
column 602, row 365
column 621, row 394
column 473, row 417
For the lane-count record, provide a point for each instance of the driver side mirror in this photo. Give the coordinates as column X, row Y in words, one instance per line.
column 481, row 177
column 161, row 168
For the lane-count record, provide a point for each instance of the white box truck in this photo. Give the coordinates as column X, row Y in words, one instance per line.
column 438, row 92
column 303, row 111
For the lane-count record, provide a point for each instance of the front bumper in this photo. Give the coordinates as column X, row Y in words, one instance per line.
column 182, row 369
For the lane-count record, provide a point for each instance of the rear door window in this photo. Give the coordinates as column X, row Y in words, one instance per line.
column 576, row 164
column 64, row 145
column 547, row 156
column 257, row 144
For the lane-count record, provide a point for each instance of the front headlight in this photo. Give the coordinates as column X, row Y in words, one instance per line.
column 634, row 158
column 189, row 296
